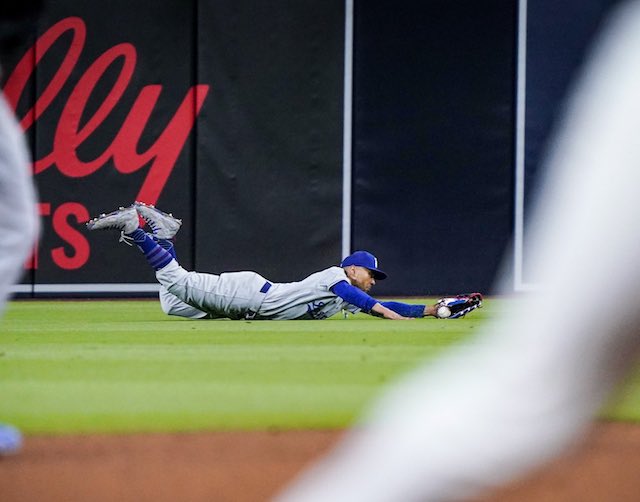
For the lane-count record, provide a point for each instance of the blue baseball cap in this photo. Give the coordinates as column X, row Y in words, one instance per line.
column 366, row 260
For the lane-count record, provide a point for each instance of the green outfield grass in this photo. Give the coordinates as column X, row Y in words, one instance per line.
column 115, row 366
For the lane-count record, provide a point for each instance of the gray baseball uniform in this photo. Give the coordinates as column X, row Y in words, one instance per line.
column 248, row 295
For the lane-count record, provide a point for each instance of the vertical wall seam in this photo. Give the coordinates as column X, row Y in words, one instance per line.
column 347, row 146
column 520, row 147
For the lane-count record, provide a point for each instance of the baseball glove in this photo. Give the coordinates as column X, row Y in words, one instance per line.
column 457, row 306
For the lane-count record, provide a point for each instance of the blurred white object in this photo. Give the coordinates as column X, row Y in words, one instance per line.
column 532, row 382
column 18, row 226
column 18, row 218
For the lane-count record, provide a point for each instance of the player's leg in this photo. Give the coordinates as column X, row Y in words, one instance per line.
column 191, row 288
column 228, row 296
column 206, row 292
column 166, row 244
column 172, row 305
column 165, row 226
column 231, row 297
column 128, row 222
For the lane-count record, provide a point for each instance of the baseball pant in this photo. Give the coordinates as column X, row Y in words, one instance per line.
column 236, row 295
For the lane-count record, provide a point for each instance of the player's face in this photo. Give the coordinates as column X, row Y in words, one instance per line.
column 362, row 278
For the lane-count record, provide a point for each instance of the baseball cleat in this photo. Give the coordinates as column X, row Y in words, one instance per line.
column 164, row 225
column 124, row 219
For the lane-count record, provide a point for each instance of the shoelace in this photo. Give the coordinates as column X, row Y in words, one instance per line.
column 128, row 240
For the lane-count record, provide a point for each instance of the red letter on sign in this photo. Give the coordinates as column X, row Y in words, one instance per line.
column 69, row 234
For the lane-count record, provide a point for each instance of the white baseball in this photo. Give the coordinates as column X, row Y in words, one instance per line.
column 443, row 312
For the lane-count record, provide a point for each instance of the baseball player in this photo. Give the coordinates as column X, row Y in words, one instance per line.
column 248, row 295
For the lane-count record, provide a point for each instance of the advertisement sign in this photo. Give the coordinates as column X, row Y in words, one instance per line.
column 186, row 106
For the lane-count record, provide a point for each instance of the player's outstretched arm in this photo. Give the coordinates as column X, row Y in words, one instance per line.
column 387, row 313
column 452, row 308
column 363, row 301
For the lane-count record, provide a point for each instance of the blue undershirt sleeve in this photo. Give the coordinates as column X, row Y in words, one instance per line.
column 404, row 309
column 354, row 296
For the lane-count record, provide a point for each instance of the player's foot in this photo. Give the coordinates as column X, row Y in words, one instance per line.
column 124, row 219
column 10, row 440
column 164, row 225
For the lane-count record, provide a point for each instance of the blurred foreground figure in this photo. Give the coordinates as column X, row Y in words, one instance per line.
column 18, row 226
column 18, row 217
column 536, row 377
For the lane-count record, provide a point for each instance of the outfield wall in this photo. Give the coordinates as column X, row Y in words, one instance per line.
column 284, row 133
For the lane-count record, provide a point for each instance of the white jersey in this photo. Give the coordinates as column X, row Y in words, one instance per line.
column 310, row 298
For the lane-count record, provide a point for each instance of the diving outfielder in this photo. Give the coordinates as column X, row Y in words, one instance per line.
column 248, row 295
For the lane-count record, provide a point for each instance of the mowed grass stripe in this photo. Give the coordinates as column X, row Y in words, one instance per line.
column 179, row 405
column 113, row 366
column 123, row 366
